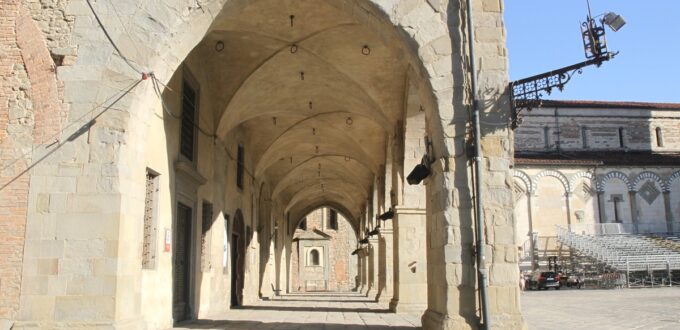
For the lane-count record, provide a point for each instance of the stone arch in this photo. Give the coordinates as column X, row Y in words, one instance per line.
column 576, row 177
column 525, row 179
column 647, row 175
column 171, row 31
column 555, row 174
column 672, row 179
column 614, row 175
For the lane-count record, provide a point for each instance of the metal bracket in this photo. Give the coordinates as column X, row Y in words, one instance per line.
column 527, row 93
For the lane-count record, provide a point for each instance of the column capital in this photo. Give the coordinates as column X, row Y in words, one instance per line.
column 399, row 209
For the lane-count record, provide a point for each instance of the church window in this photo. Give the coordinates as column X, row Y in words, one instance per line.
column 584, row 137
column 659, row 137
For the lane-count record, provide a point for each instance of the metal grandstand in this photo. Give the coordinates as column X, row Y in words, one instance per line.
column 645, row 260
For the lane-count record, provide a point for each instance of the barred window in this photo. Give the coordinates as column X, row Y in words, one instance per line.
column 150, row 210
column 189, row 114
column 240, row 167
column 206, row 225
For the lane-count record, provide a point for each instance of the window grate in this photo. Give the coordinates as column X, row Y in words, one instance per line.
column 148, row 244
column 188, row 129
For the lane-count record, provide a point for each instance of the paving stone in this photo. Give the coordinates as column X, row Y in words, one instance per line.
column 334, row 311
column 602, row 309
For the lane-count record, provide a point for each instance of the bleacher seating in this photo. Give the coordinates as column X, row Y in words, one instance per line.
column 625, row 252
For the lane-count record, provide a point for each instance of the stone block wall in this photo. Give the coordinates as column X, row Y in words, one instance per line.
column 595, row 128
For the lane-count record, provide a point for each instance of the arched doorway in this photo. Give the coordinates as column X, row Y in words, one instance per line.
column 238, row 251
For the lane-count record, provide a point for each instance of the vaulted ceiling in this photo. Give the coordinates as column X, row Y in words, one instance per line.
column 316, row 92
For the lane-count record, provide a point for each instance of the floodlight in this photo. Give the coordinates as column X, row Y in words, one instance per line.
column 614, row 21
column 387, row 215
column 420, row 172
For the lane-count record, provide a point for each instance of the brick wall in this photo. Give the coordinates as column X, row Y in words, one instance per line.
column 30, row 115
column 15, row 132
column 340, row 246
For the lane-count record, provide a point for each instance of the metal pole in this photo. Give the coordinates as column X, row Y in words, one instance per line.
column 482, row 271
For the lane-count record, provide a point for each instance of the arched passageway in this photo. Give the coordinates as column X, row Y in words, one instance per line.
column 258, row 113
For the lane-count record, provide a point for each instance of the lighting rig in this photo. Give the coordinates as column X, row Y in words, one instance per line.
column 527, row 93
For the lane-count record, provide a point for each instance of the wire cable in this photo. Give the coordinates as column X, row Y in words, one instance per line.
column 157, row 89
column 58, row 144
column 108, row 36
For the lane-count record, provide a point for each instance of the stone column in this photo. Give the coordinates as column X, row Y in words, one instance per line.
column 532, row 241
column 668, row 211
column 567, row 197
column 373, row 267
column 632, row 195
column 385, row 281
column 410, row 261
column 362, row 270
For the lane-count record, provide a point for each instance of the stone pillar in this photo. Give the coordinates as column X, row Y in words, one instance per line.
column 532, row 241
column 632, row 195
column 410, row 261
column 363, row 271
column 668, row 211
column 567, row 197
column 373, row 267
column 385, row 274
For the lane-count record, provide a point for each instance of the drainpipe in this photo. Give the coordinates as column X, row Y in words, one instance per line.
column 482, row 271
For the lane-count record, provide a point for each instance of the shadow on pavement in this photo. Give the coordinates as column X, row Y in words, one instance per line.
column 217, row 324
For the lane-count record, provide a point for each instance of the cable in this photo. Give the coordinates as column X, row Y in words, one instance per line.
column 108, row 36
column 58, row 144
column 127, row 32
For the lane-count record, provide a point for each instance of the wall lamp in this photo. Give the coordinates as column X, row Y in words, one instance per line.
column 387, row 215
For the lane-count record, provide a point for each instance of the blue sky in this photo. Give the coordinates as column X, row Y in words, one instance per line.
column 545, row 35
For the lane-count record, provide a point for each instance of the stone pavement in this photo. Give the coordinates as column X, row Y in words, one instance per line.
column 657, row 308
column 311, row 311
